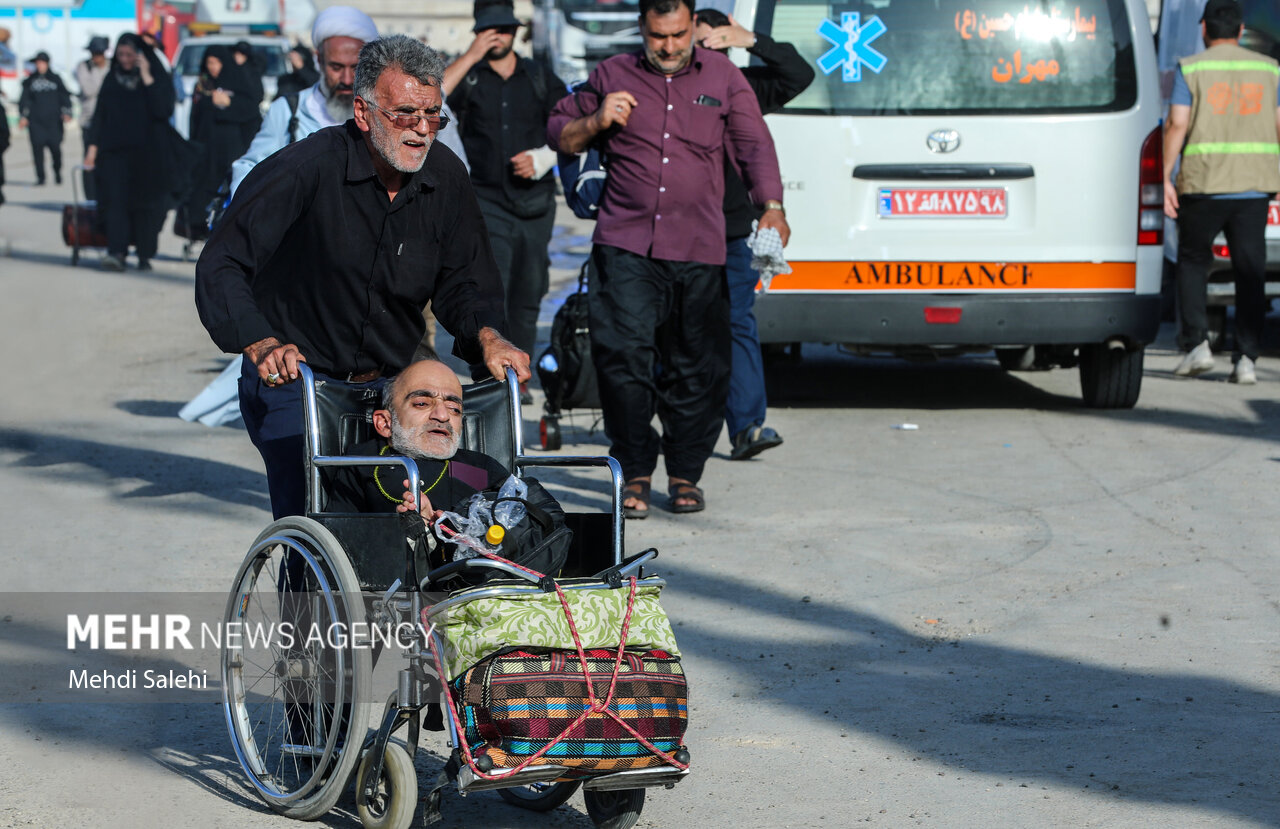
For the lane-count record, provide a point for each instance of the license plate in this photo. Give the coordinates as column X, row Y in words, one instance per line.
column 1273, row 213
column 961, row 202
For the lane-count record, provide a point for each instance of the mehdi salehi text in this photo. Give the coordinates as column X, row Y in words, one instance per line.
column 104, row 680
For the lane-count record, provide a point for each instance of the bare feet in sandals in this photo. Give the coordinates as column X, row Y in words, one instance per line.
column 685, row 496
column 635, row 498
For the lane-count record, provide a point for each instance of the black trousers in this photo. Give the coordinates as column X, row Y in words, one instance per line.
column 90, row 182
column 1244, row 221
column 42, row 139
column 520, row 248
column 660, row 344
column 126, row 224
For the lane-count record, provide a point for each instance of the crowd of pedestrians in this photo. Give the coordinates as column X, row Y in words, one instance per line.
column 670, row 286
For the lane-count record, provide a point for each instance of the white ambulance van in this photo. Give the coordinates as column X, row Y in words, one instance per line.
column 968, row 175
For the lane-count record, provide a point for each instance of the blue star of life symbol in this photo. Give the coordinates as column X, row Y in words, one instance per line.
column 851, row 46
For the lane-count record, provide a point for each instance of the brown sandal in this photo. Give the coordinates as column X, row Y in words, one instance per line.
column 638, row 489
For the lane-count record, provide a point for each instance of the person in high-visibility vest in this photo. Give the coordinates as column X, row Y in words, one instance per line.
column 1224, row 120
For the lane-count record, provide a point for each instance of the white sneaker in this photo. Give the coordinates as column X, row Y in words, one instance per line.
column 1243, row 373
column 1198, row 361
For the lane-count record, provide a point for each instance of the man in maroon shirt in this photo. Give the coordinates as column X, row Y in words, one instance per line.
column 665, row 117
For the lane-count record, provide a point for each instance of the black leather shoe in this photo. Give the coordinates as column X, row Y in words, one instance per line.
column 752, row 441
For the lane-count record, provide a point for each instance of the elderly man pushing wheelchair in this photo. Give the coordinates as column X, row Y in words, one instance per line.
column 332, row 247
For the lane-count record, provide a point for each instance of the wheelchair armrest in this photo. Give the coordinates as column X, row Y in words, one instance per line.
column 409, row 464
column 616, row 574
column 482, row 563
column 615, row 475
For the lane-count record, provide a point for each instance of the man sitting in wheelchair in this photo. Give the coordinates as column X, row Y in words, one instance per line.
column 421, row 418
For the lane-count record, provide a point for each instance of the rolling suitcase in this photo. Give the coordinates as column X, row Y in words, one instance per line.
column 80, row 226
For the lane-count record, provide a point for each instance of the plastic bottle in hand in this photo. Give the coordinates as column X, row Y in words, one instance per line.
column 507, row 514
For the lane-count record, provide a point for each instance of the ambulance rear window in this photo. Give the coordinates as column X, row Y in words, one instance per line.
column 916, row 57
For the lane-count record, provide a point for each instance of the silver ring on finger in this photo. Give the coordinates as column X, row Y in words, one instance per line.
column 617, row 107
column 273, row 378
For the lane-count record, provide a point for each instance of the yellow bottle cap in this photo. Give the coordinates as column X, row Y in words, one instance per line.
column 495, row 535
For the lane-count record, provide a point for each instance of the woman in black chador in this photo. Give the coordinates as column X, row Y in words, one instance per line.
column 222, row 110
column 129, row 147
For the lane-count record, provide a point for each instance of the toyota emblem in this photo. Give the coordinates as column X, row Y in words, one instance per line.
column 943, row 141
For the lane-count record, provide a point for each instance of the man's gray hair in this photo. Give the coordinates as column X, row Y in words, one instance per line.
column 400, row 52
column 389, row 393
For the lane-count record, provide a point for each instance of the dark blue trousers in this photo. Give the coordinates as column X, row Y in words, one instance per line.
column 747, row 403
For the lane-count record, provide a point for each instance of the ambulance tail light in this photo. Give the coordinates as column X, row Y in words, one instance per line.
column 1151, row 191
column 937, row 315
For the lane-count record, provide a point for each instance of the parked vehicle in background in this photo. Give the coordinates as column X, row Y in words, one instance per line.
column 971, row 176
column 269, row 53
column 572, row 36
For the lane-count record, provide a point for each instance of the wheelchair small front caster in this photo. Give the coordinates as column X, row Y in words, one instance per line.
column 393, row 804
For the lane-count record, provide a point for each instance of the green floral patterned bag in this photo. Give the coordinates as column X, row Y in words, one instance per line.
column 527, row 617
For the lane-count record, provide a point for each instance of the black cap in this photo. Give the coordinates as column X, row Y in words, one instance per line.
column 243, row 48
column 1227, row 11
column 494, row 14
column 98, row 45
column 44, row 56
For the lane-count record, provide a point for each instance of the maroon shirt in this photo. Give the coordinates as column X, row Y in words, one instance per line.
column 665, row 193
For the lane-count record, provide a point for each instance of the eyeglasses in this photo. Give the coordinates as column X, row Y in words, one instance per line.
column 409, row 120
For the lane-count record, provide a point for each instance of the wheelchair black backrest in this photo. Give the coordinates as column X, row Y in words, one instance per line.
column 344, row 419
column 344, row 416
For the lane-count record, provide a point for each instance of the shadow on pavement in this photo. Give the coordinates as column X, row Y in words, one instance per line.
column 832, row 380
column 1189, row 740
column 150, row 408
column 89, row 258
column 162, row 473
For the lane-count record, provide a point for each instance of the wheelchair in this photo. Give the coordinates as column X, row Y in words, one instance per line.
column 299, row 711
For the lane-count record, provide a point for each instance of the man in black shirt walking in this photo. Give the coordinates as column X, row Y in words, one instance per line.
column 331, row 248
column 502, row 102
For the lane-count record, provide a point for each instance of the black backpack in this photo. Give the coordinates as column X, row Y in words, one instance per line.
column 565, row 369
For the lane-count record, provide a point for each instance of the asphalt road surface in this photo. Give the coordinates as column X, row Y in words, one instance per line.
column 1023, row 613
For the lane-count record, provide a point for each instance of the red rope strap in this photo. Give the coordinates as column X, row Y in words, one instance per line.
column 597, row 706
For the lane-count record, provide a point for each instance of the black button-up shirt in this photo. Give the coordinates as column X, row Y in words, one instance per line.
column 499, row 118
column 312, row 252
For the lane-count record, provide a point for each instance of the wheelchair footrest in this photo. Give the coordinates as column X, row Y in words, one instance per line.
column 636, row 779
column 469, row 782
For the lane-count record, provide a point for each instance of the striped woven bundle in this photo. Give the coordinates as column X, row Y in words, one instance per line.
column 515, row 703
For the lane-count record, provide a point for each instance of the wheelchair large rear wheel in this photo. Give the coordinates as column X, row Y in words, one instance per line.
column 296, row 685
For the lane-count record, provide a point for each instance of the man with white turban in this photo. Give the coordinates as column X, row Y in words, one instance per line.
column 338, row 34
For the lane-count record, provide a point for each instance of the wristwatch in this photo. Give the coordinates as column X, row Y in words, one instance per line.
column 774, row 204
